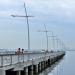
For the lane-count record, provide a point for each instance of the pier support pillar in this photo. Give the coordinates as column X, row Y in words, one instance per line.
column 2, row 72
column 42, row 65
column 39, row 67
column 47, row 63
column 50, row 61
column 26, row 71
column 32, row 70
column 36, row 69
column 18, row 72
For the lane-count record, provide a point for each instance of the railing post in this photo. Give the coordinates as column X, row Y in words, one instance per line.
column 11, row 59
column 23, row 57
column 28, row 56
column 18, row 58
column 1, row 61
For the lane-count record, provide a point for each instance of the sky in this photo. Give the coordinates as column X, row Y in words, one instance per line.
column 57, row 15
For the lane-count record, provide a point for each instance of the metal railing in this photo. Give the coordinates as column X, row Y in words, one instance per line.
column 10, row 59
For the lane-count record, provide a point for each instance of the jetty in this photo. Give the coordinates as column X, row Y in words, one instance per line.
column 28, row 63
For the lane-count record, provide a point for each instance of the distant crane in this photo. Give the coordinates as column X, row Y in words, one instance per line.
column 27, row 16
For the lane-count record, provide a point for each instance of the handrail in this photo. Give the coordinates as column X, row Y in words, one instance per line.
column 10, row 59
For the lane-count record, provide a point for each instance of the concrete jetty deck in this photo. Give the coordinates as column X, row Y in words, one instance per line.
column 27, row 63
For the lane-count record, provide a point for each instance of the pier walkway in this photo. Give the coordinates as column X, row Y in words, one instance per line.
column 23, row 64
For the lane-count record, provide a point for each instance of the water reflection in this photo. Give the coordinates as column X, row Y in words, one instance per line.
column 49, row 70
column 65, row 67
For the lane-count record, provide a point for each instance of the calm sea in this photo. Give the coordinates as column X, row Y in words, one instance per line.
column 65, row 67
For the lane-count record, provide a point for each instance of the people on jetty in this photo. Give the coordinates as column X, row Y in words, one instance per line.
column 19, row 51
column 22, row 51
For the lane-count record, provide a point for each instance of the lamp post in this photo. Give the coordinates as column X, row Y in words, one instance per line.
column 45, row 31
column 53, row 40
column 46, row 35
column 25, row 16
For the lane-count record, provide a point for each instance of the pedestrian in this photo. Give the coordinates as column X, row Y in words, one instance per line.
column 22, row 51
column 18, row 51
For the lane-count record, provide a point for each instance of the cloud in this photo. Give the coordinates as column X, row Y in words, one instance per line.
column 5, row 2
column 8, row 1
column 56, row 7
column 62, row 9
column 52, row 12
column 9, row 13
column 53, row 7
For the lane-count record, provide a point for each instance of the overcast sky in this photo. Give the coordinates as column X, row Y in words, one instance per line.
column 57, row 15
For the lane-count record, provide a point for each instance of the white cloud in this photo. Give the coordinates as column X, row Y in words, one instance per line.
column 46, row 7
column 52, row 9
column 6, row 1
column 8, row 13
column 58, row 7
